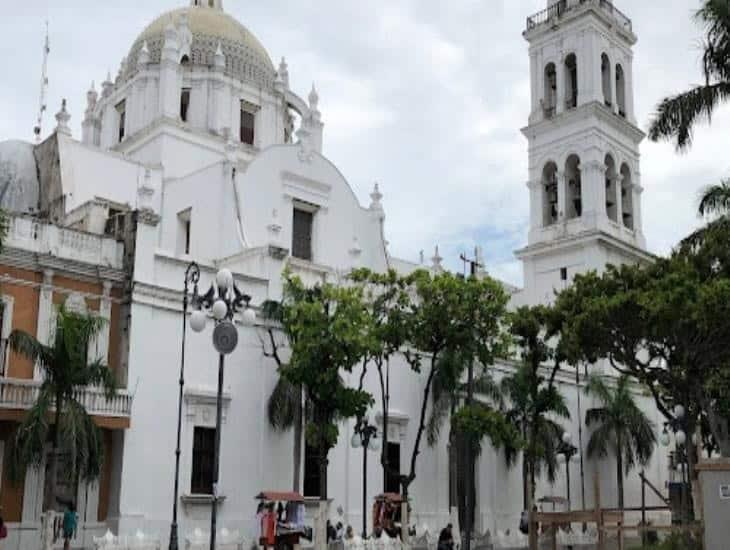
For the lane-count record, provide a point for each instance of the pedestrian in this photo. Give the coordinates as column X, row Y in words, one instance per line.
column 69, row 525
column 446, row 538
column 3, row 530
column 349, row 533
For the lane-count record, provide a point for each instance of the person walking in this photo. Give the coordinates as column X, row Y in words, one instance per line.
column 69, row 525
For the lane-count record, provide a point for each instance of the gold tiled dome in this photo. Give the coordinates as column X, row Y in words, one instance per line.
column 246, row 58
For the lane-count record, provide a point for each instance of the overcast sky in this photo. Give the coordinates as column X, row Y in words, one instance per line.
column 424, row 96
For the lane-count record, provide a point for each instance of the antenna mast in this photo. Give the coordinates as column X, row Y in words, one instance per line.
column 44, row 89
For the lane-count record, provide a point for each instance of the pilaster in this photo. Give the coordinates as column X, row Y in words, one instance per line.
column 560, row 80
column 562, row 195
column 45, row 314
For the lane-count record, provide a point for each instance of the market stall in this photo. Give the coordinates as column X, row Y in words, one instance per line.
column 280, row 519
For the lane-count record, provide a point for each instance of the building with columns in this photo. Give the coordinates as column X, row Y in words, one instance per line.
column 201, row 149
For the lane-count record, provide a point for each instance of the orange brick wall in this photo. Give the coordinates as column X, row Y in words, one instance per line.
column 25, row 314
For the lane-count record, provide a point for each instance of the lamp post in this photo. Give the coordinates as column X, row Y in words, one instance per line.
column 567, row 452
column 223, row 300
column 365, row 436
column 676, row 424
column 192, row 275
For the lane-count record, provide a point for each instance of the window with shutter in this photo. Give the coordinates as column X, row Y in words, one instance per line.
column 203, row 459
column 301, row 246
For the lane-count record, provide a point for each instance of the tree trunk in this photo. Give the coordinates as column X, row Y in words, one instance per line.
column 620, row 478
column 322, row 516
column 49, row 498
column 719, row 426
column 298, row 433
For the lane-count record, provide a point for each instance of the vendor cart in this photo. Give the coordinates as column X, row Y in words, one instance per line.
column 280, row 517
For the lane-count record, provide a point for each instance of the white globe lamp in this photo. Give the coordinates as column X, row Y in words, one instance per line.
column 355, row 441
column 224, row 280
column 681, row 437
column 197, row 320
column 679, row 412
column 220, row 309
column 561, row 459
column 249, row 317
column 664, row 439
column 374, row 444
column 567, row 438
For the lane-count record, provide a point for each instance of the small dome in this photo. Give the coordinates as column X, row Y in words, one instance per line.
column 19, row 188
column 246, row 58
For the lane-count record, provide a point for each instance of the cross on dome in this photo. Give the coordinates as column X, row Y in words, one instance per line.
column 215, row 4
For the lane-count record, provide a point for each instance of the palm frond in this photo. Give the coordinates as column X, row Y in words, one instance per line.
column 283, row 403
column 99, row 374
column 439, row 413
column 715, row 199
column 676, row 116
column 31, row 436
column 82, row 448
column 26, row 345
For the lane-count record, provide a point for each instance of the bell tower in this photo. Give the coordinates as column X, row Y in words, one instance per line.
column 584, row 177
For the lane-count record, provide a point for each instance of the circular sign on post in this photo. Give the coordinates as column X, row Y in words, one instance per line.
column 225, row 337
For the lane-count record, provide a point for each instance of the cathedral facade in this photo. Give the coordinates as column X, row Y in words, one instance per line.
column 201, row 150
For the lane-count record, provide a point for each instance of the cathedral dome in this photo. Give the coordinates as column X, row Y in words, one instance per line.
column 246, row 58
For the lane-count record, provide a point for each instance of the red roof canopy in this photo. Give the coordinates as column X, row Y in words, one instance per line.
column 392, row 497
column 286, row 496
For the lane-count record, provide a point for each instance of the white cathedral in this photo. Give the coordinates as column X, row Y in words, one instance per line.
column 200, row 150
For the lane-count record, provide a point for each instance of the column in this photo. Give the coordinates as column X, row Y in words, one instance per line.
column 560, row 80
column 535, row 81
column 99, row 348
column 536, row 204
column 612, row 80
column 619, row 200
column 562, row 196
column 629, row 85
column 637, row 191
column 593, row 192
column 45, row 314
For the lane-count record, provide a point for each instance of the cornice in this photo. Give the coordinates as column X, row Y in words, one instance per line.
column 581, row 239
column 570, row 117
column 32, row 261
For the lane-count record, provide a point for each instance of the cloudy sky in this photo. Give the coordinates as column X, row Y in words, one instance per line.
column 424, row 96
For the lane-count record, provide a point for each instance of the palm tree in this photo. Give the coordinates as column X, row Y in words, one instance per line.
column 447, row 391
column 72, row 432
column 531, row 404
column 285, row 410
column 677, row 115
column 621, row 428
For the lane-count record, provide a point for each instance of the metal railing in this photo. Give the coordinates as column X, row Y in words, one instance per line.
column 557, row 10
column 22, row 394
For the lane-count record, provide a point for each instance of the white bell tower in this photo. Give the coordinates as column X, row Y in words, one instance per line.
column 585, row 190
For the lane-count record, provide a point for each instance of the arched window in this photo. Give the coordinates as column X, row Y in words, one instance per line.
column 549, row 194
column 611, row 196
column 551, row 90
column 627, row 196
column 621, row 90
column 571, row 81
column 574, row 207
column 606, row 79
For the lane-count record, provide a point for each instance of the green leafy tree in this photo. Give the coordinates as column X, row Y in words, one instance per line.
column 619, row 427
column 677, row 115
column 71, row 431
column 455, row 324
column 329, row 332
column 666, row 324
column 389, row 303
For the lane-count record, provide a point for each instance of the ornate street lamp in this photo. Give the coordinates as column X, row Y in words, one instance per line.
column 223, row 300
column 567, row 452
column 365, row 436
column 192, row 275
column 676, row 424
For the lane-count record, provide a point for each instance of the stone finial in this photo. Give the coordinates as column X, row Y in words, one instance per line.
column 107, row 86
column 144, row 56
column 376, row 197
column 436, row 260
column 62, row 117
column 219, row 59
column 479, row 257
column 91, row 98
column 421, row 258
column 185, row 36
column 283, row 73
column 170, row 47
column 313, row 98
column 122, row 69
